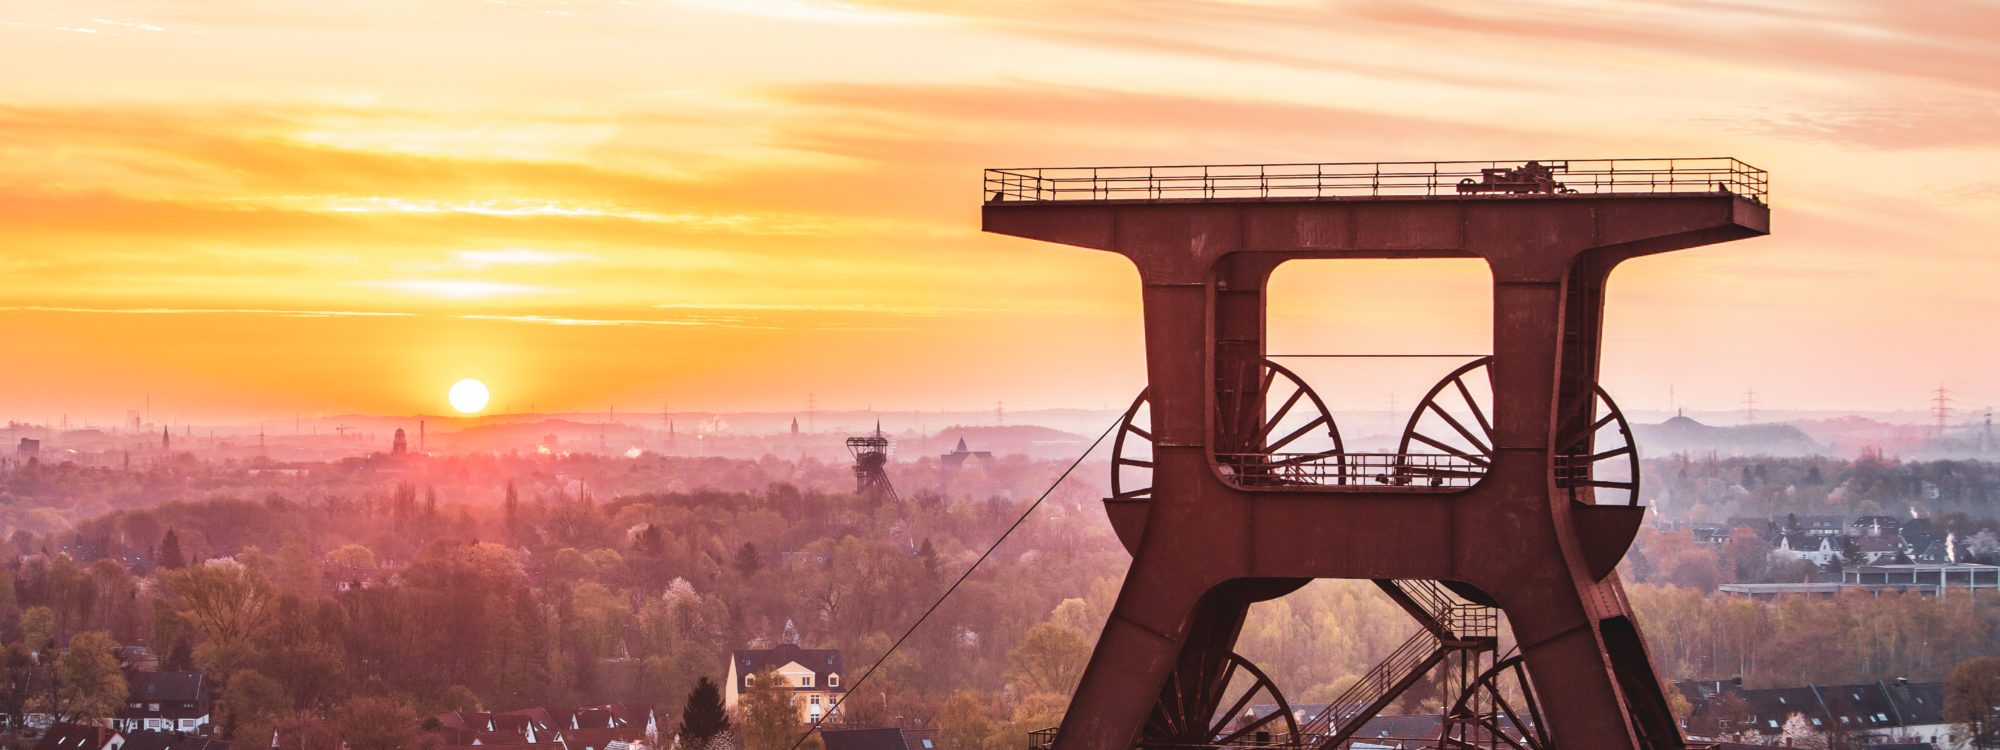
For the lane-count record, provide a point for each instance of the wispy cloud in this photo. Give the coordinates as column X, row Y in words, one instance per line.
column 518, row 256
column 462, row 289
column 207, row 311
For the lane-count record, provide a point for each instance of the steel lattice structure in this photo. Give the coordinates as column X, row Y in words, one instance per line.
column 871, row 462
column 1514, row 489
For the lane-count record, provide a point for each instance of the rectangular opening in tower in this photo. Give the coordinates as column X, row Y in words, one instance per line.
column 1372, row 337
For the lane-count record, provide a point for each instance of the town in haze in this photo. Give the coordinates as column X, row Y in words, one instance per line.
column 707, row 375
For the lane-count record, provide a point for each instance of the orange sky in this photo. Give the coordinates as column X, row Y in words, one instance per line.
column 247, row 209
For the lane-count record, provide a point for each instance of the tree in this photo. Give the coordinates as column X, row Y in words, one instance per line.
column 352, row 556
column 459, row 698
column 770, row 718
column 89, row 686
column 254, row 702
column 1970, row 694
column 380, row 724
column 703, row 717
column 38, row 628
column 510, row 509
column 748, row 560
column 19, row 682
column 307, row 733
column 1799, row 732
column 228, row 604
column 1050, row 659
column 170, row 556
column 1732, row 715
column 963, row 724
column 297, row 571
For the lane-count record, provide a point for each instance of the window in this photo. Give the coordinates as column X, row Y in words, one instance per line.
column 749, row 679
column 833, row 680
column 806, row 681
column 815, row 700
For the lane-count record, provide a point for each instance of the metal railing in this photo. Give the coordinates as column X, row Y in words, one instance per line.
column 1436, row 179
column 1420, row 650
column 1408, row 471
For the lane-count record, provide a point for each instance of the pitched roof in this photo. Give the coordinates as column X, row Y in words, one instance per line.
column 147, row 740
column 67, row 736
column 822, row 661
column 864, row 739
column 1918, row 703
column 598, row 739
column 1859, row 706
column 149, row 687
column 1867, row 706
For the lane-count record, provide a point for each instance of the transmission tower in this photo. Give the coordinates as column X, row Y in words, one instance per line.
column 871, row 460
column 1941, row 408
column 1750, row 406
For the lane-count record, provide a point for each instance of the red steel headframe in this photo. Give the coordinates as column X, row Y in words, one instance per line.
column 1206, row 544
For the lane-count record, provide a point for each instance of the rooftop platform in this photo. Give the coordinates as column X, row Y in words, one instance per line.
column 1453, row 180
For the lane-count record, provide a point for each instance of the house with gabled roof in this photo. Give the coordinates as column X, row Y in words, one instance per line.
column 1883, row 712
column 68, row 736
column 815, row 677
column 541, row 728
column 165, row 701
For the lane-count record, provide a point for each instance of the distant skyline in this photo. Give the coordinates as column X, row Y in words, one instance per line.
column 251, row 210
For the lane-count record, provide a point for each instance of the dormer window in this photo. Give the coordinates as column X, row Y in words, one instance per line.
column 749, row 679
column 833, row 680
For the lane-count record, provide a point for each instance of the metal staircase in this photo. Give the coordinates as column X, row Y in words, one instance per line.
column 1449, row 626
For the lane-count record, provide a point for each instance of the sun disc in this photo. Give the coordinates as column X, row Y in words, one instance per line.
column 468, row 396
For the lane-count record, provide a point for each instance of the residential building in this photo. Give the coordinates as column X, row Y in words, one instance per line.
column 540, row 728
column 165, row 701
column 1825, row 527
column 1818, row 550
column 1890, row 526
column 67, row 736
column 1710, row 534
column 814, row 677
column 1872, row 549
column 960, row 453
column 1882, row 713
column 889, row 738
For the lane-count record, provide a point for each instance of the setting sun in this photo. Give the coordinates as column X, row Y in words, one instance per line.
column 468, row 396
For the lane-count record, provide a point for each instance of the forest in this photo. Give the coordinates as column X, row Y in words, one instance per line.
column 375, row 592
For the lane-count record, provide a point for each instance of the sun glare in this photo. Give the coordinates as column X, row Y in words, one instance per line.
column 468, row 396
